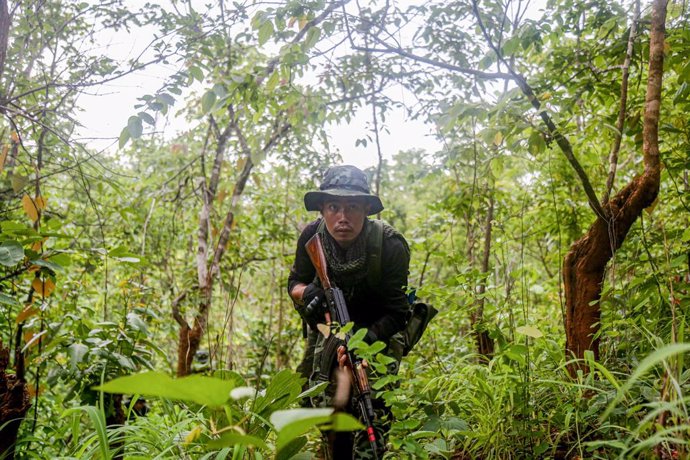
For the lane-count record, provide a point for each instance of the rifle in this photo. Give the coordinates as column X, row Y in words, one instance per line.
column 336, row 304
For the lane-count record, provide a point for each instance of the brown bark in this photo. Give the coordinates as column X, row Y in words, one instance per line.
column 14, row 404
column 585, row 263
column 190, row 337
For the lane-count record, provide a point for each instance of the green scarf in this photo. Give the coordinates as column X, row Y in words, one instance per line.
column 348, row 266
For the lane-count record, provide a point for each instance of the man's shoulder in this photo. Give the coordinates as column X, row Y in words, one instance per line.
column 311, row 228
column 393, row 243
column 391, row 236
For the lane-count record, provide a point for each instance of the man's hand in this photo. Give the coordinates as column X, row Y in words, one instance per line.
column 311, row 309
column 310, row 292
column 344, row 360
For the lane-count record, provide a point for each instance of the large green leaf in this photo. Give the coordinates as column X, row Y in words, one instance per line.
column 293, row 423
column 11, row 253
column 283, row 389
column 203, row 390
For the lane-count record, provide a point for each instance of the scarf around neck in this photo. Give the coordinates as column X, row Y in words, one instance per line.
column 348, row 266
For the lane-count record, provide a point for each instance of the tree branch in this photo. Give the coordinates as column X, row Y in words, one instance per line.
column 561, row 140
column 650, row 129
column 314, row 22
column 176, row 310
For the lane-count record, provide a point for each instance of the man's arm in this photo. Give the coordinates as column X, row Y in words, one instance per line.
column 395, row 265
column 302, row 272
column 297, row 292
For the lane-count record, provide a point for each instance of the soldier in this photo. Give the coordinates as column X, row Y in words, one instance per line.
column 368, row 260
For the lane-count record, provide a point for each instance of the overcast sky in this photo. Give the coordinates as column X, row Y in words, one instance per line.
column 106, row 110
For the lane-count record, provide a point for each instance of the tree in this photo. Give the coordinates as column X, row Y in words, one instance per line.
column 510, row 43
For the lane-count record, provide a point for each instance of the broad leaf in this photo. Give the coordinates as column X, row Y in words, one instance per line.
column 11, row 253
column 203, row 390
column 135, row 127
column 76, row 353
column 529, row 331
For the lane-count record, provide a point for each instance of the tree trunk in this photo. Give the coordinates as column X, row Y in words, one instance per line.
column 14, row 404
column 114, row 420
column 485, row 344
column 585, row 263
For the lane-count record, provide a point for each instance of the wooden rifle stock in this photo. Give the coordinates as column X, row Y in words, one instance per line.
column 318, row 259
column 336, row 304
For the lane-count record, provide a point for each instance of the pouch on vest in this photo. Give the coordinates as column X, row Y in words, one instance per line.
column 420, row 317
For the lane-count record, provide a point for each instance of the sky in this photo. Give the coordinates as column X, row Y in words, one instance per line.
column 105, row 111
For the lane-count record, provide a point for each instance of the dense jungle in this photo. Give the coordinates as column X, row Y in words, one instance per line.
column 144, row 310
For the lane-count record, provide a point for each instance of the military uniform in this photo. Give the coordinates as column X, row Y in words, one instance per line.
column 378, row 303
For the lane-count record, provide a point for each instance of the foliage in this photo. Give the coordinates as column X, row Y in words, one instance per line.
column 95, row 249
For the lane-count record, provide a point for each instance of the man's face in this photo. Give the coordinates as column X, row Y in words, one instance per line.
column 344, row 218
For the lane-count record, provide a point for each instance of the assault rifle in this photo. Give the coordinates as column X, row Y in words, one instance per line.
column 337, row 307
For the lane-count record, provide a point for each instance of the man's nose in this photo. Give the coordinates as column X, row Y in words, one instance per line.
column 342, row 215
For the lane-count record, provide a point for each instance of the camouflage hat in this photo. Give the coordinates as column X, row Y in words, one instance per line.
column 342, row 181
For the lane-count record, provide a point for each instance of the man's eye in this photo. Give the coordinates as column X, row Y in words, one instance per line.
column 333, row 207
column 353, row 207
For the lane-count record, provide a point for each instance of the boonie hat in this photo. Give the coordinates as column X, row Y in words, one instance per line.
column 343, row 181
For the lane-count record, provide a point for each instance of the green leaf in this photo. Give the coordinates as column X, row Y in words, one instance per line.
column 282, row 418
column 293, row 423
column 147, row 118
column 219, row 90
column 11, row 253
column 8, row 300
column 196, row 73
column 48, row 264
column 265, row 32
column 166, row 98
column 135, row 127
column 316, row 389
column 207, row 101
column 62, row 259
column 283, row 389
column 529, row 331
column 18, row 182
column 312, row 37
column 136, row 323
column 232, row 438
column 536, row 143
column 511, row 46
column 648, row 363
column 76, row 353
column 124, row 137
column 342, row 421
column 291, row 451
column 202, row 390
column 272, row 81
column 686, row 235
column 98, row 419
